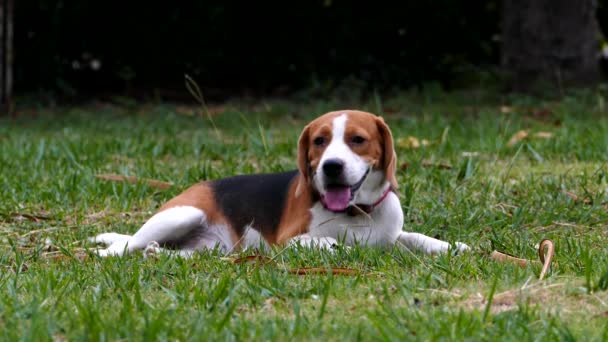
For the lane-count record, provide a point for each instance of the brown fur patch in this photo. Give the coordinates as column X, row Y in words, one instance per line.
column 309, row 154
column 296, row 216
column 364, row 125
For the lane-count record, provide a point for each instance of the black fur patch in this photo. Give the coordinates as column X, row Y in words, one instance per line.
column 256, row 200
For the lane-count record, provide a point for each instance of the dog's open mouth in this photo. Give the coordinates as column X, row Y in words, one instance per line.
column 338, row 196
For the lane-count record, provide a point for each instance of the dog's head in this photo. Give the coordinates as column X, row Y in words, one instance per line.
column 347, row 157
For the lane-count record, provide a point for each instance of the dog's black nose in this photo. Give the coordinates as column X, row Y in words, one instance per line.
column 333, row 167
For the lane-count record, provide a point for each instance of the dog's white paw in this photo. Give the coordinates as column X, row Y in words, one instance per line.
column 152, row 250
column 109, row 238
column 460, row 247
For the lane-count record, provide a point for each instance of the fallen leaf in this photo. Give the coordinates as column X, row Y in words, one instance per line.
column 323, row 270
column 150, row 182
column 506, row 109
column 572, row 195
column 575, row 198
column 253, row 259
column 502, row 257
column 35, row 218
column 412, row 142
column 545, row 258
column 443, row 166
column 408, row 142
column 517, row 137
column 543, row 135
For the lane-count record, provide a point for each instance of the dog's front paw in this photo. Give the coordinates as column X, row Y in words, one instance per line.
column 116, row 249
column 109, row 238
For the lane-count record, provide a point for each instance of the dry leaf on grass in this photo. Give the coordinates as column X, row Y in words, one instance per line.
column 545, row 258
column 543, row 135
column 412, row 142
column 575, row 198
column 150, row 182
column 324, row 270
column 503, row 257
column 443, row 166
column 506, row 109
column 517, row 137
column 524, row 134
column 252, row 259
column 31, row 217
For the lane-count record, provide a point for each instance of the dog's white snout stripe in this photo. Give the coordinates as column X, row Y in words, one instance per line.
column 353, row 166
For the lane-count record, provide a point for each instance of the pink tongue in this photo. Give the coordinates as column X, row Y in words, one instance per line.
column 336, row 199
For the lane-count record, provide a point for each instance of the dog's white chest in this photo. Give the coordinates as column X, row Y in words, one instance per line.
column 380, row 228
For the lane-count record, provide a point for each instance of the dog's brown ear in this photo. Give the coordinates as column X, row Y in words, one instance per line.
column 389, row 155
column 303, row 165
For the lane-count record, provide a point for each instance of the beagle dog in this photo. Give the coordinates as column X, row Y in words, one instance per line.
column 343, row 190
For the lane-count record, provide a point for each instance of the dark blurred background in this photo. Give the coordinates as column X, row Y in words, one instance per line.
column 92, row 48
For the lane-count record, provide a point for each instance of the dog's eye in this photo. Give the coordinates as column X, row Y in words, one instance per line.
column 319, row 141
column 357, row 140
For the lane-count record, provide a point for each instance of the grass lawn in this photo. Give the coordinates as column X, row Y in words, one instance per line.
column 463, row 182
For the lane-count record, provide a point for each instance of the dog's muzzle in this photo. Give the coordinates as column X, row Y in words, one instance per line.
column 337, row 197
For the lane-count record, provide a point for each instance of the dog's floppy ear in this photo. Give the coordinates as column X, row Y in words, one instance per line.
column 303, row 165
column 389, row 155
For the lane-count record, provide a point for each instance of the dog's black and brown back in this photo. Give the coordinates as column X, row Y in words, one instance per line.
column 256, row 201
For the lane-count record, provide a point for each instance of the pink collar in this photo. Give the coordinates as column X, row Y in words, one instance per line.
column 386, row 192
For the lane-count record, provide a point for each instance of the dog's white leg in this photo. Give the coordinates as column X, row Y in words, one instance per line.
column 305, row 240
column 168, row 225
column 427, row 244
column 109, row 238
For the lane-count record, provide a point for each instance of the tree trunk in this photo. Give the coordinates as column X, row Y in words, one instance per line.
column 550, row 42
column 6, row 55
